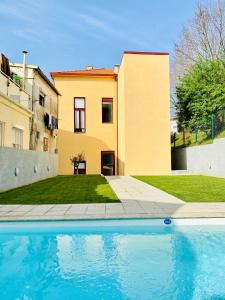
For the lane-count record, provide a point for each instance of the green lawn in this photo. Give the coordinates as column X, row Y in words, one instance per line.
column 203, row 139
column 62, row 190
column 190, row 188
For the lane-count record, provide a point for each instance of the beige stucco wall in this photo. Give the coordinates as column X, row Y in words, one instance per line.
column 13, row 115
column 144, row 105
column 34, row 84
column 51, row 107
column 98, row 137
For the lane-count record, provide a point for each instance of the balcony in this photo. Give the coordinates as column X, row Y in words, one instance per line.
column 14, row 91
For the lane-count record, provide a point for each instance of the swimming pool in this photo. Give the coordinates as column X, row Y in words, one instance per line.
column 117, row 259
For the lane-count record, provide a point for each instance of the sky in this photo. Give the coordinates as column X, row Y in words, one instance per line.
column 71, row 34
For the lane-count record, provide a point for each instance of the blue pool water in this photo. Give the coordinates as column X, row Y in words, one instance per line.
column 111, row 260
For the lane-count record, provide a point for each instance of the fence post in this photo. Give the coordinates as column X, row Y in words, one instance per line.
column 196, row 135
column 213, row 126
column 183, row 131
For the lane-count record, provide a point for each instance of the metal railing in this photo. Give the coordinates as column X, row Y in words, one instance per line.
column 14, row 91
column 214, row 129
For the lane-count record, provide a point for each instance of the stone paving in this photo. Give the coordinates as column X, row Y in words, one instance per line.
column 138, row 200
column 130, row 189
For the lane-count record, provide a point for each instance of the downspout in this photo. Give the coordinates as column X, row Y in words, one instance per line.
column 24, row 87
column 32, row 146
column 57, row 118
column 117, row 131
column 117, row 126
column 24, row 67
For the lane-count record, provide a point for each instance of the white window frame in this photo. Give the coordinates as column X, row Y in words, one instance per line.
column 17, row 137
column 79, row 114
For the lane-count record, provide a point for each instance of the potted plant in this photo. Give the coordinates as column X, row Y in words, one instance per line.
column 75, row 161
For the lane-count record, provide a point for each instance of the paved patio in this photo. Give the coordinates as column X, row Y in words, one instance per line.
column 138, row 200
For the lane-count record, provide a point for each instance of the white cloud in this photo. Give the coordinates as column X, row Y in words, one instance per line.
column 14, row 11
column 38, row 22
column 108, row 27
column 93, row 21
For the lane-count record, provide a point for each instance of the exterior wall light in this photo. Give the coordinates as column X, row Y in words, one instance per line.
column 35, row 169
column 16, row 171
column 48, row 169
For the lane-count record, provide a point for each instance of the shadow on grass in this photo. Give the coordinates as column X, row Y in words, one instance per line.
column 62, row 190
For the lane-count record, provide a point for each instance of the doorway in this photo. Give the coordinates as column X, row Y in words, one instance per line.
column 108, row 163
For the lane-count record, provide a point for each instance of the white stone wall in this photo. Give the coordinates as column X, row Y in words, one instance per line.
column 206, row 159
column 30, row 165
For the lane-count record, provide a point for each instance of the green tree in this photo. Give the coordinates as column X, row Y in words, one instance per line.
column 200, row 92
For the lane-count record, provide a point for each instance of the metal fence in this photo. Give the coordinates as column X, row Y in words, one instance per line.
column 14, row 91
column 215, row 128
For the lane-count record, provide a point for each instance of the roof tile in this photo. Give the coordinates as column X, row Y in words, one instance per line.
column 96, row 72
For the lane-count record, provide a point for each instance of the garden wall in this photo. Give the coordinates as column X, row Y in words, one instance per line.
column 206, row 159
column 20, row 167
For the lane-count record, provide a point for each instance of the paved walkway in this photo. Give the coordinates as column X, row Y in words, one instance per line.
column 130, row 189
column 138, row 200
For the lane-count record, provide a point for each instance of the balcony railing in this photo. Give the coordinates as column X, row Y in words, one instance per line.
column 14, row 91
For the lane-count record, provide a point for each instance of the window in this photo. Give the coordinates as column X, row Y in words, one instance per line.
column 107, row 110
column 79, row 115
column 17, row 138
column 42, row 99
column 82, row 167
column 45, row 144
column 2, row 131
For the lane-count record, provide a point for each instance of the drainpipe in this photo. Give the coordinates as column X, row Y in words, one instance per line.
column 24, row 67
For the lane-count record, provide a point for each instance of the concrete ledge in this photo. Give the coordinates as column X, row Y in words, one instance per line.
column 108, row 211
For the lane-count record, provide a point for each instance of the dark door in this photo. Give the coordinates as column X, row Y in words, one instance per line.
column 108, row 163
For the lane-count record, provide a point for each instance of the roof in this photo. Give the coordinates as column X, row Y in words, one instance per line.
column 86, row 72
column 146, row 53
column 100, row 71
column 40, row 72
column 47, row 80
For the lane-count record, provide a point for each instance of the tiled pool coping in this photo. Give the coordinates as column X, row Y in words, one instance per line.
column 124, row 210
column 101, row 225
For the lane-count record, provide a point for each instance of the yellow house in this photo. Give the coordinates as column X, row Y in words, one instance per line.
column 118, row 118
column 15, row 114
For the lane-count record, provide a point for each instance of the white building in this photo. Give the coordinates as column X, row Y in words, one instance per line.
column 44, row 104
column 173, row 125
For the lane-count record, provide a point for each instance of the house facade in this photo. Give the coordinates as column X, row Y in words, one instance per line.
column 44, row 105
column 118, row 118
column 28, row 121
column 15, row 110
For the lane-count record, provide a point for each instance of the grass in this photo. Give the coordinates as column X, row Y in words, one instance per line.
column 203, row 139
column 62, row 190
column 190, row 188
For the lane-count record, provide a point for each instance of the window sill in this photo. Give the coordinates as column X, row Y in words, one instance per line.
column 79, row 132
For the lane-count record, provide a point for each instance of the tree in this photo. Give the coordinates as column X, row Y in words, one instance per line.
column 203, row 38
column 200, row 92
column 75, row 161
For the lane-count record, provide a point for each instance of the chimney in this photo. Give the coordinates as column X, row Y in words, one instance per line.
column 89, row 68
column 116, row 69
column 24, row 67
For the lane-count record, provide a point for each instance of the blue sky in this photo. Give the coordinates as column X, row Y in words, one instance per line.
column 71, row 34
